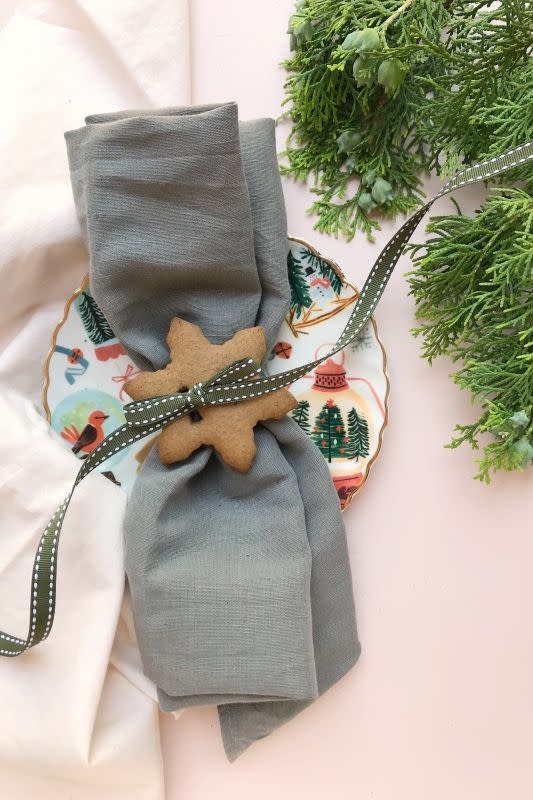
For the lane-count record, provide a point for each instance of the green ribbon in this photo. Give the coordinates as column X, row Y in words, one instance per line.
column 143, row 415
column 241, row 380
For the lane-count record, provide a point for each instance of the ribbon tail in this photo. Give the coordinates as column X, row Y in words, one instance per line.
column 44, row 571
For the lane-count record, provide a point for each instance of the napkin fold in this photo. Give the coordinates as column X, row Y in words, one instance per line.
column 241, row 584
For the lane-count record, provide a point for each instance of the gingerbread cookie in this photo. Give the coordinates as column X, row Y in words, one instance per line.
column 227, row 428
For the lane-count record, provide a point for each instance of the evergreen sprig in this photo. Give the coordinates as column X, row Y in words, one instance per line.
column 384, row 90
column 481, row 103
column 473, row 285
column 380, row 91
column 354, row 107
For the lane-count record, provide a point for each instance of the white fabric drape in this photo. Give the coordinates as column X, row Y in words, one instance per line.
column 59, row 61
column 79, row 719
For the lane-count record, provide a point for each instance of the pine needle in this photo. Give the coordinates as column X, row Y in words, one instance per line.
column 473, row 286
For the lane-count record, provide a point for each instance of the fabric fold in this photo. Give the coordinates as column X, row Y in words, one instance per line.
column 240, row 584
column 79, row 720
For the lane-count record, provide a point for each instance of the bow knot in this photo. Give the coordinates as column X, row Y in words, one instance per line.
column 196, row 395
column 225, row 386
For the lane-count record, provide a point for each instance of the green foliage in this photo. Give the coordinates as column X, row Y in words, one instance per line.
column 392, row 89
column 329, row 433
column 383, row 90
column 473, row 287
column 300, row 297
column 358, row 440
column 354, row 90
column 482, row 102
column 94, row 322
column 301, row 415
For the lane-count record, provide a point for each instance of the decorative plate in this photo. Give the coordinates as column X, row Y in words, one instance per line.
column 342, row 404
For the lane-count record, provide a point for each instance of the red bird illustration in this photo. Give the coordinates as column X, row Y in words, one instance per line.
column 90, row 437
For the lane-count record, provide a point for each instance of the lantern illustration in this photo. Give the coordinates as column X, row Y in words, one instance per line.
column 339, row 420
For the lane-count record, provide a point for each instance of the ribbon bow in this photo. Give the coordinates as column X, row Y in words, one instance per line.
column 130, row 372
column 226, row 386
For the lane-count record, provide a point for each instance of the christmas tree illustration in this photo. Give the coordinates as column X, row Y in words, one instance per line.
column 329, row 433
column 94, row 322
column 301, row 416
column 300, row 297
column 358, row 438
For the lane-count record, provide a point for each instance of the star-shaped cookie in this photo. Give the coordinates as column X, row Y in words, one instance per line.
column 227, row 428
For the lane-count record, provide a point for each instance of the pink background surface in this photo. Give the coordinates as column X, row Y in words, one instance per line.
column 440, row 705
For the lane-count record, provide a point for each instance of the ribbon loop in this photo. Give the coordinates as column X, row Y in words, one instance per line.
column 235, row 372
column 222, row 387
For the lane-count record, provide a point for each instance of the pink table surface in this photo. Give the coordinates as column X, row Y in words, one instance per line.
column 440, row 705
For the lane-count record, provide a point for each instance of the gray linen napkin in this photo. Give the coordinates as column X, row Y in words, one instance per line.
column 241, row 584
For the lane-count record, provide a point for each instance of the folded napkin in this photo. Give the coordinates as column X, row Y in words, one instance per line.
column 241, row 584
